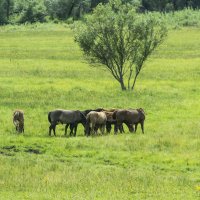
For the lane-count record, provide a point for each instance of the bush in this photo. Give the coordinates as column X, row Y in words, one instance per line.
column 35, row 12
column 186, row 17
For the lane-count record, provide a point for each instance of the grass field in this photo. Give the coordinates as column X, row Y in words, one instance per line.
column 41, row 68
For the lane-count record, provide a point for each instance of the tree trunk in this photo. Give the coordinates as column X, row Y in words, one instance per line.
column 132, row 88
column 8, row 9
column 71, row 8
column 123, row 87
column 129, row 78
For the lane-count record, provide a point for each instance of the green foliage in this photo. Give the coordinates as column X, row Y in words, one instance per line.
column 119, row 39
column 15, row 11
column 3, row 17
column 186, row 17
column 34, row 12
column 64, row 9
column 169, row 5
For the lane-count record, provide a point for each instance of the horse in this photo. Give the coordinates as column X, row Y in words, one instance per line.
column 85, row 112
column 18, row 120
column 71, row 117
column 95, row 120
column 130, row 117
column 110, row 121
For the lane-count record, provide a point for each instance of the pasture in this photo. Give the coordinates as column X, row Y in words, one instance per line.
column 41, row 68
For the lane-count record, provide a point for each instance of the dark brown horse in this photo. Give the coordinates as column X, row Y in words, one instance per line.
column 110, row 121
column 130, row 117
column 71, row 117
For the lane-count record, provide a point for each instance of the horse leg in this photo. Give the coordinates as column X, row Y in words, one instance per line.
column 54, row 130
column 17, row 128
column 71, row 129
column 130, row 127
column 142, row 126
column 50, row 128
column 66, row 127
column 96, row 128
column 136, row 127
column 75, row 129
column 108, row 127
column 103, row 129
column 120, row 128
column 88, row 131
column 22, row 128
column 115, row 128
column 93, row 130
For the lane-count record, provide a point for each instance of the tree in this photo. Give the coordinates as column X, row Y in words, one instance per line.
column 5, row 10
column 118, row 38
column 9, row 6
column 33, row 11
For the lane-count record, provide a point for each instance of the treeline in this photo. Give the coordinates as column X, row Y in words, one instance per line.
column 22, row 11
column 169, row 5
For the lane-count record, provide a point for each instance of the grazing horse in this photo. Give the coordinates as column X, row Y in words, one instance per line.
column 95, row 120
column 110, row 121
column 85, row 112
column 71, row 117
column 18, row 120
column 130, row 117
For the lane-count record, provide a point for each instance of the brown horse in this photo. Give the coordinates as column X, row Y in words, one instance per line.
column 130, row 117
column 110, row 121
column 95, row 120
column 18, row 120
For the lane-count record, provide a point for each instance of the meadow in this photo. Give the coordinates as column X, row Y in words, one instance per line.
column 42, row 68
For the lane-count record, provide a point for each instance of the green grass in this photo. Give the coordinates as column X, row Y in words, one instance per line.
column 41, row 68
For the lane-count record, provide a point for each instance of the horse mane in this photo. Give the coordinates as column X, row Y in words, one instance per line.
column 82, row 115
column 114, row 114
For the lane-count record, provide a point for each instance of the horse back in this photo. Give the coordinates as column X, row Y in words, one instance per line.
column 18, row 115
column 96, row 117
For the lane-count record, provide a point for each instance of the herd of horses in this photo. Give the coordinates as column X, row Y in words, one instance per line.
column 92, row 120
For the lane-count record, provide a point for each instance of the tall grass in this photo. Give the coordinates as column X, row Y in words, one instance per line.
column 41, row 68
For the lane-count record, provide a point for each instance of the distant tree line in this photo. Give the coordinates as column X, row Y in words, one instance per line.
column 169, row 5
column 22, row 11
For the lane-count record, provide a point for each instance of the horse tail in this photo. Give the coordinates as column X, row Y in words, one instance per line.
column 114, row 115
column 49, row 117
